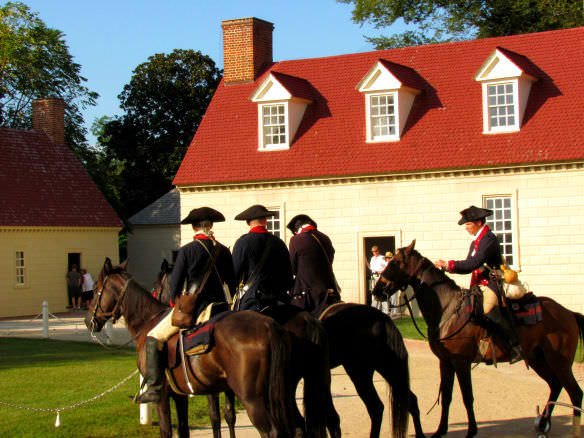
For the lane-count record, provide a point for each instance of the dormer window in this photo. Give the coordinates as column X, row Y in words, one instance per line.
column 390, row 90
column 506, row 84
column 282, row 101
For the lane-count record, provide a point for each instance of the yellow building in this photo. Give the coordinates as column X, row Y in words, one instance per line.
column 52, row 216
column 388, row 146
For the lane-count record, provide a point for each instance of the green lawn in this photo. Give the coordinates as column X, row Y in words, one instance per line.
column 407, row 329
column 47, row 374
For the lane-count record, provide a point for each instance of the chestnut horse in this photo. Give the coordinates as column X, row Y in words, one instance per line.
column 252, row 354
column 549, row 346
column 363, row 340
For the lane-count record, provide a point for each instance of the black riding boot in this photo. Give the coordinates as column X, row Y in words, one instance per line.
column 154, row 377
column 506, row 333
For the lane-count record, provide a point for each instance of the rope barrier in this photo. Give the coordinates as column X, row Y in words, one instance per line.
column 76, row 405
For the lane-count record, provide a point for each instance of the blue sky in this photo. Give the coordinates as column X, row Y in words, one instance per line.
column 109, row 38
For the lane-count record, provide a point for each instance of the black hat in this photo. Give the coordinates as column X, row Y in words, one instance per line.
column 474, row 214
column 299, row 220
column 254, row 212
column 203, row 214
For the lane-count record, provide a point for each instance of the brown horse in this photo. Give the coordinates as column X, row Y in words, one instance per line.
column 549, row 346
column 252, row 354
column 310, row 362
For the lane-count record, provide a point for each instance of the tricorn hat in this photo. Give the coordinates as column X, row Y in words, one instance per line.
column 473, row 214
column 299, row 220
column 254, row 212
column 203, row 214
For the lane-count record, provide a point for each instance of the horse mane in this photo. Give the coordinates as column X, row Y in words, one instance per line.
column 444, row 279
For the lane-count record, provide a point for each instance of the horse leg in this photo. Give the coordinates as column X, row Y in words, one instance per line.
column 163, row 411
column 415, row 413
column 575, row 392
column 229, row 413
column 362, row 378
column 543, row 370
column 465, row 383
column 446, row 384
column 214, row 415
column 181, row 404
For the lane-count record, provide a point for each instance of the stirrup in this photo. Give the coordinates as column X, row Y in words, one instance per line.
column 148, row 397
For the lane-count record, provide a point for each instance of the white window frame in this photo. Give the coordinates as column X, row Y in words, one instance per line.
column 501, row 224
column 274, row 224
column 20, row 270
column 262, row 137
column 488, row 128
column 371, row 138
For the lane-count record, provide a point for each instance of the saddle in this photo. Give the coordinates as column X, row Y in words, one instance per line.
column 525, row 311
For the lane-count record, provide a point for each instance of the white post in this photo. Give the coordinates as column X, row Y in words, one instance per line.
column 145, row 409
column 108, row 332
column 45, row 319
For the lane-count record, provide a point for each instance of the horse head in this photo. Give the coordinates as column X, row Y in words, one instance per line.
column 161, row 285
column 111, row 287
column 400, row 270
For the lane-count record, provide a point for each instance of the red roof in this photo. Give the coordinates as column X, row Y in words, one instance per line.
column 43, row 184
column 443, row 131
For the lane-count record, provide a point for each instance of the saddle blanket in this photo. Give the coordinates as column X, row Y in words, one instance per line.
column 526, row 310
column 199, row 339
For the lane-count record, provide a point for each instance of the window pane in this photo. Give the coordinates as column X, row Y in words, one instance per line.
column 501, row 223
column 381, row 107
column 500, row 102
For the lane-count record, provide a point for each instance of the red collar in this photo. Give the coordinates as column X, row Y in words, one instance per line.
column 305, row 228
column 259, row 229
column 480, row 236
column 201, row 236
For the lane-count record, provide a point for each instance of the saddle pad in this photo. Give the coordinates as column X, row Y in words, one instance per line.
column 199, row 339
column 526, row 310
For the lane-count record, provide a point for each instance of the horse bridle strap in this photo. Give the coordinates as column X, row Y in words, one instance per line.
column 118, row 302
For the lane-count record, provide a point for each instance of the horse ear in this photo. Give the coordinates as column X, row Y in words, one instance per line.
column 410, row 247
column 124, row 265
column 164, row 265
column 107, row 266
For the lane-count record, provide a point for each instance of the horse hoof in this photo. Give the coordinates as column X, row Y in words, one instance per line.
column 543, row 424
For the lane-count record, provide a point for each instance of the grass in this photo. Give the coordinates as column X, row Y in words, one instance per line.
column 407, row 328
column 48, row 374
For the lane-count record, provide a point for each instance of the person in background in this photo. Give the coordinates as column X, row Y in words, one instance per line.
column 395, row 299
column 87, row 288
column 74, row 280
column 261, row 263
column 311, row 257
column 377, row 264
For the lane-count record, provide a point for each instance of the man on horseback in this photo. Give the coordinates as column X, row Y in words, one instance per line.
column 484, row 249
column 207, row 267
column 311, row 256
column 261, row 262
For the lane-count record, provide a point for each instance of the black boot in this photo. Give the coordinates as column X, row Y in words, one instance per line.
column 154, row 377
column 506, row 333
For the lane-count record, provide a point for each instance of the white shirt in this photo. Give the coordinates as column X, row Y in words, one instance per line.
column 377, row 264
column 87, row 282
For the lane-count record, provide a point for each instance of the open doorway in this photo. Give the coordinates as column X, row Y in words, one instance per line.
column 385, row 244
column 73, row 258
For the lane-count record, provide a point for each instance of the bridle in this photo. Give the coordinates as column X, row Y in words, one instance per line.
column 115, row 312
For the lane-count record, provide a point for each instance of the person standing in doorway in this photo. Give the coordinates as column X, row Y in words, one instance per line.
column 74, row 280
column 87, row 287
column 377, row 264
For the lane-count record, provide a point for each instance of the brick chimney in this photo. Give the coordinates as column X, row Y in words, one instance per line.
column 49, row 115
column 247, row 48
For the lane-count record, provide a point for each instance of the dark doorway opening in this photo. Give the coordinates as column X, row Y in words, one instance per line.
column 73, row 258
column 385, row 244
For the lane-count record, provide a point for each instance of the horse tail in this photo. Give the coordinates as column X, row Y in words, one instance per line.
column 580, row 322
column 281, row 394
column 396, row 355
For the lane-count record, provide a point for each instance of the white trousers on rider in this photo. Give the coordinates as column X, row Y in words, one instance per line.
column 164, row 330
column 490, row 299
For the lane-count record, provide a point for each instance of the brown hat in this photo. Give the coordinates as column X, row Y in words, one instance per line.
column 254, row 212
column 299, row 220
column 474, row 214
column 203, row 214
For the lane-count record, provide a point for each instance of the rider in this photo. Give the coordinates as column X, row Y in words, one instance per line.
column 311, row 256
column 207, row 267
column 484, row 249
column 261, row 262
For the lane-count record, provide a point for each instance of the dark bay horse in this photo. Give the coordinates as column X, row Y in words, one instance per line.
column 549, row 346
column 363, row 340
column 252, row 354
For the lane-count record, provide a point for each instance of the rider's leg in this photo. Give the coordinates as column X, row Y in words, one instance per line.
column 506, row 333
column 155, row 365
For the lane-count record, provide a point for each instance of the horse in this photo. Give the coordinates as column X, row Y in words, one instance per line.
column 549, row 346
column 310, row 361
column 363, row 340
column 252, row 354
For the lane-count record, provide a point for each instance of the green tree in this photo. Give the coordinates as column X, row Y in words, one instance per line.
column 163, row 105
column 450, row 20
column 35, row 63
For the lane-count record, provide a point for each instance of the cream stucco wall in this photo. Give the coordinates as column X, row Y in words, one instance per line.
column 45, row 252
column 148, row 245
column 549, row 212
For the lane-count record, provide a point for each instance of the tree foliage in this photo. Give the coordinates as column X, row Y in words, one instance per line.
column 163, row 105
column 449, row 20
column 35, row 63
